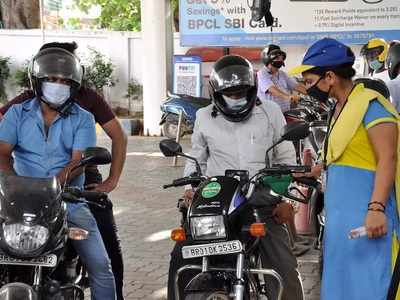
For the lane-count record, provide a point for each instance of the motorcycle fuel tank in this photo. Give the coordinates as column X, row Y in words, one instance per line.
column 218, row 196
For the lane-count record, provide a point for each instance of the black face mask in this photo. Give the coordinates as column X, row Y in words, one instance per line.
column 278, row 64
column 316, row 93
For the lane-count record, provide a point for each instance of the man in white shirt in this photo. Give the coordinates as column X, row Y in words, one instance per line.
column 375, row 52
column 393, row 62
column 234, row 132
column 273, row 83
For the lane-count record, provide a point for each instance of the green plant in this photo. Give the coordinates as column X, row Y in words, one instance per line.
column 21, row 77
column 135, row 90
column 4, row 75
column 98, row 71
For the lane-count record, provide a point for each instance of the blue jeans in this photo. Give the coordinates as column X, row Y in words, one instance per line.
column 92, row 252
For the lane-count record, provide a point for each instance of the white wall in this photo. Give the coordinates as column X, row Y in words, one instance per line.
column 123, row 48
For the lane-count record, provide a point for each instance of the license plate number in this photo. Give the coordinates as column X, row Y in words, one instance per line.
column 44, row 261
column 211, row 249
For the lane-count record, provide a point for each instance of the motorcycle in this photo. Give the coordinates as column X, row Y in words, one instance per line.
column 171, row 108
column 36, row 257
column 214, row 227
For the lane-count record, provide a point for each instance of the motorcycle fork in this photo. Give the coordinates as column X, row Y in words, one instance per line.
column 238, row 288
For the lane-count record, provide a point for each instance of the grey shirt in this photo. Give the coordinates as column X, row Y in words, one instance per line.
column 219, row 144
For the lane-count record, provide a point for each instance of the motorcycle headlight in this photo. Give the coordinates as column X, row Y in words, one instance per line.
column 23, row 239
column 208, row 228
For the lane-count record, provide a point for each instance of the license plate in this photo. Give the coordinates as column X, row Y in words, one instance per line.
column 211, row 249
column 43, row 261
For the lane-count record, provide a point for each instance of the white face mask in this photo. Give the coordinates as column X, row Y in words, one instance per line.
column 235, row 103
column 55, row 93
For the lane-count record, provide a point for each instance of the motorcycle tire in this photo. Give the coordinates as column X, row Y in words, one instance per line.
column 208, row 296
column 170, row 130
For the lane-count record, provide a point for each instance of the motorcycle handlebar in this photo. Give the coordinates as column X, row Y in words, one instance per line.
column 312, row 182
column 183, row 181
column 286, row 170
column 76, row 195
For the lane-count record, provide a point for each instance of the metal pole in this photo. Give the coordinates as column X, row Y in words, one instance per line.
column 178, row 135
column 41, row 8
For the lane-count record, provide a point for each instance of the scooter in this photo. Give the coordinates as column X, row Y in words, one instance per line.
column 171, row 108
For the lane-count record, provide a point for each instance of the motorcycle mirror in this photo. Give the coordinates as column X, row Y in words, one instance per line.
column 96, row 156
column 170, row 148
column 295, row 131
column 291, row 132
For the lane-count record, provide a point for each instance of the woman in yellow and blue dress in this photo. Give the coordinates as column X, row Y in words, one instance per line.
column 362, row 176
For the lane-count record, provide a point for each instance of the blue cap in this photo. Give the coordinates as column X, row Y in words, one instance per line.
column 325, row 53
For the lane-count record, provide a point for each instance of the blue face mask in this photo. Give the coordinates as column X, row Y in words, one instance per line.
column 55, row 93
column 375, row 64
column 235, row 103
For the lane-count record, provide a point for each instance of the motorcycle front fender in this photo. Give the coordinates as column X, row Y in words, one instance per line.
column 211, row 281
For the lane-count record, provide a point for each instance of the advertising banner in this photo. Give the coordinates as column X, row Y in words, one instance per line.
column 187, row 75
column 228, row 22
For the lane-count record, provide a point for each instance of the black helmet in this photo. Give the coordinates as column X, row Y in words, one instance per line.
column 375, row 84
column 271, row 53
column 393, row 60
column 55, row 62
column 233, row 75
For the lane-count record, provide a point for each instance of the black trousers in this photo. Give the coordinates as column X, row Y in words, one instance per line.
column 109, row 232
column 275, row 254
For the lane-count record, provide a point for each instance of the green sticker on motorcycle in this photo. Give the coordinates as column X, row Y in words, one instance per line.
column 211, row 190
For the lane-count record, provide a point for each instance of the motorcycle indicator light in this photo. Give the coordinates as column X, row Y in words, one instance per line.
column 77, row 234
column 257, row 229
column 178, row 235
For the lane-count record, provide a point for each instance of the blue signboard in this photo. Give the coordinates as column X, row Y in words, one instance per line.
column 187, row 75
column 228, row 22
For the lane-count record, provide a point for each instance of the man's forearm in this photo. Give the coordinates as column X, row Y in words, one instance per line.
column 65, row 175
column 118, row 150
column 276, row 92
column 6, row 165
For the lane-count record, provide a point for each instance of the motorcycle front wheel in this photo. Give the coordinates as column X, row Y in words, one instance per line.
column 208, row 296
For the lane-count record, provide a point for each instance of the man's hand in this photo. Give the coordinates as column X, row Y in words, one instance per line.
column 283, row 213
column 188, row 197
column 315, row 172
column 295, row 98
column 107, row 186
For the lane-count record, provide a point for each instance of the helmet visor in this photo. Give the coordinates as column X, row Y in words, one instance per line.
column 231, row 77
column 372, row 53
column 58, row 63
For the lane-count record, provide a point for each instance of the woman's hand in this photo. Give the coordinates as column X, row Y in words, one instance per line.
column 376, row 224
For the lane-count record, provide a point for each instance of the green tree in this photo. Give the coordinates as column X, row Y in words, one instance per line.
column 123, row 15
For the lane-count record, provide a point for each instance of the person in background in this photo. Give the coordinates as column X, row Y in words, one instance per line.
column 374, row 53
column 94, row 103
column 362, row 176
column 393, row 63
column 273, row 83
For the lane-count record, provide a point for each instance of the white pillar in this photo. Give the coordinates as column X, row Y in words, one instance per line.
column 154, row 63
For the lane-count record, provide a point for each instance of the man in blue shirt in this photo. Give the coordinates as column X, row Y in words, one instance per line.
column 47, row 136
